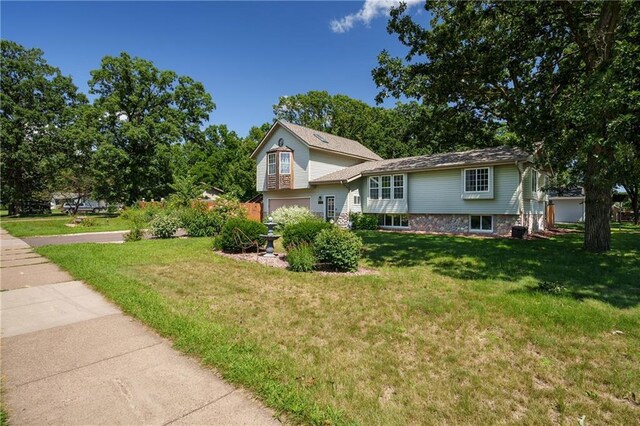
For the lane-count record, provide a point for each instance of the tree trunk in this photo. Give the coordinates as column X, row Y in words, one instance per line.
column 597, row 226
column 635, row 208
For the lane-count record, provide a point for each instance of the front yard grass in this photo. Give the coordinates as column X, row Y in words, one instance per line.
column 452, row 329
column 57, row 225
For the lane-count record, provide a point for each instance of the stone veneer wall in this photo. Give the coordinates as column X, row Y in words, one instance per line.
column 343, row 220
column 536, row 222
column 458, row 223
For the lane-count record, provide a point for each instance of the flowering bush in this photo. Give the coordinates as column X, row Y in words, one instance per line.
column 289, row 215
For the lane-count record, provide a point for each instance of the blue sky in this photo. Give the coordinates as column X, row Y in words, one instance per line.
column 247, row 54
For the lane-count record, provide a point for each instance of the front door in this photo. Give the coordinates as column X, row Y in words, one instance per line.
column 330, row 207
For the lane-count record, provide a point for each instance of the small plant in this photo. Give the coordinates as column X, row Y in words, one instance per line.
column 88, row 221
column 289, row 215
column 550, row 287
column 303, row 232
column 361, row 221
column 164, row 226
column 339, row 248
column 239, row 235
column 228, row 207
column 198, row 221
column 301, row 258
column 135, row 234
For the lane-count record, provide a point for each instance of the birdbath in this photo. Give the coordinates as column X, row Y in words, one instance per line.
column 270, row 237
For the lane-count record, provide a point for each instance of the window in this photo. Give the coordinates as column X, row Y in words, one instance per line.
column 356, row 200
column 285, row 163
column 374, row 191
column 481, row 223
column 393, row 220
column 271, row 161
column 476, row 180
column 398, row 187
column 534, row 181
column 386, row 187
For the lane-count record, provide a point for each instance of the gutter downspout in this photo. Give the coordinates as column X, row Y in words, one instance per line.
column 519, row 166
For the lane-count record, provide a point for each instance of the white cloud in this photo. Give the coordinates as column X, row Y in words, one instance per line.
column 370, row 10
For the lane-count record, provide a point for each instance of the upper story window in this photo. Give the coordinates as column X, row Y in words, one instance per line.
column 285, row 163
column 386, row 187
column 534, row 181
column 476, row 180
column 271, row 161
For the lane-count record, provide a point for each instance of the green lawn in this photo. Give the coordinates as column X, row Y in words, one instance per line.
column 451, row 330
column 57, row 225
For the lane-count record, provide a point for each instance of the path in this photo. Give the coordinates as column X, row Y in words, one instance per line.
column 71, row 357
column 88, row 237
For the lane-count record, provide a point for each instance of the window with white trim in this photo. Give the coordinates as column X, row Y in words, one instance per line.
column 534, row 181
column 285, row 163
column 374, row 190
column 481, row 223
column 271, row 161
column 476, row 180
column 356, row 200
column 386, row 187
column 393, row 220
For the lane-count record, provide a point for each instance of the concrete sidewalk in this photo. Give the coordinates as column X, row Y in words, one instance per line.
column 71, row 357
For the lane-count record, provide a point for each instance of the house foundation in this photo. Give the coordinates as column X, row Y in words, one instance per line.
column 459, row 223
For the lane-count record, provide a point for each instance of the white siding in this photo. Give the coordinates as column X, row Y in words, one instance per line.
column 440, row 192
column 569, row 210
column 385, row 206
column 355, row 192
column 300, row 160
column 339, row 191
column 323, row 163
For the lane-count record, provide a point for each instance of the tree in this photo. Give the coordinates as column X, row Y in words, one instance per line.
column 542, row 69
column 36, row 101
column 144, row 112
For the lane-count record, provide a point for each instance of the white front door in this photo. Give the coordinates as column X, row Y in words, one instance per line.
column 330, row 207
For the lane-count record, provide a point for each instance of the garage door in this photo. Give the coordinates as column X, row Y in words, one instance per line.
column 276, row 203
column 569, row 211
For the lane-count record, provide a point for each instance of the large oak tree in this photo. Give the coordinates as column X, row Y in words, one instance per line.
column 545, row 70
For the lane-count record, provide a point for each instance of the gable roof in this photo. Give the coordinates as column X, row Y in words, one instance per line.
column 323, row 141
column 485, row 156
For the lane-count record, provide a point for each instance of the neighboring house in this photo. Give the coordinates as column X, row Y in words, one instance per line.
column 569, row 205
column 211, row 193
column 484, row 190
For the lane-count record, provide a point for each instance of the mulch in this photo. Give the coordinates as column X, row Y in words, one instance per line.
column 281, row 262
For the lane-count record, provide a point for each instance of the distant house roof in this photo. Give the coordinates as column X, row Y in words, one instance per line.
column 566, row 192
column 494, row 155
column 316, row 139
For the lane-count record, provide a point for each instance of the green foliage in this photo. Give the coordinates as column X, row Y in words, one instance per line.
column 239, row 235
column 88, row 221
column 139, row 214
column 303, row 232
column 550, row 287
column 38, row 105
column 164, row 225
column 187, row 189
column 301, row 258
column 289, row 215
column 361, row 221
column 139, row 129
column 198, row 221
column 134, row 234
column 228, row 207
column 339, row 248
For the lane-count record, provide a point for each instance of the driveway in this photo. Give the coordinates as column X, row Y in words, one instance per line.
column 71, row 357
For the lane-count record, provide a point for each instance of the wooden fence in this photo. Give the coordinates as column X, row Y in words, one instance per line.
column 254, row 210
column 551, row 215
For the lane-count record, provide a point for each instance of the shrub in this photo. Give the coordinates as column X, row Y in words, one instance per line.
column 228, row 207
column 144, row 215
column 239, row 234
column 164, row 226
column 289, row 215
column 200, row 222
column 363, row 221
column 303, row 232
column 135, row 234
column 338, row 247
column 301, row 258
column 88, row 221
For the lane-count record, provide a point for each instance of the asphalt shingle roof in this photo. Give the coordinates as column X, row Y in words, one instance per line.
column 500, row 154
column 329, row 142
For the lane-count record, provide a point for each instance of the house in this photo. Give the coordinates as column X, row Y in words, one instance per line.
column 569, row 204
column 211, row 193
column 483, row 190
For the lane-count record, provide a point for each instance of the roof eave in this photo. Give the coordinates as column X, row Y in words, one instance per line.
column 447, row 167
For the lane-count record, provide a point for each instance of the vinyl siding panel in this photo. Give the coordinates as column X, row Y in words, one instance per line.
column 384, row 206
column 339, row 191
column 300, row 160
column 440, row 192
column 323, row 163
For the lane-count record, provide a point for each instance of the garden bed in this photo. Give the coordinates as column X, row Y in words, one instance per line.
column 281, row 262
